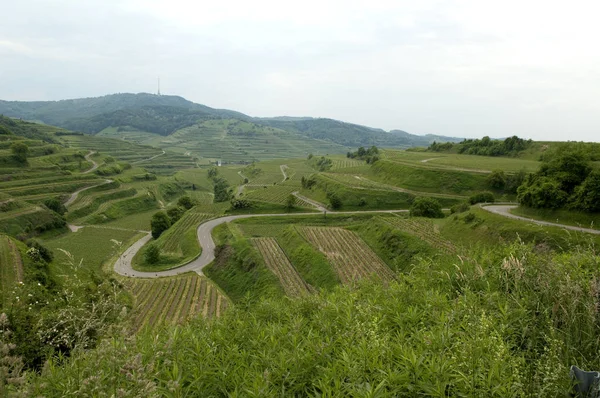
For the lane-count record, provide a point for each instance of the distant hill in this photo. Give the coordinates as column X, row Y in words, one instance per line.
column 165, row 115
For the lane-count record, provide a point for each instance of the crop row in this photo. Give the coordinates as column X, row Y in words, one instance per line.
column 275, row 194
column 11, row 267
column 174, row 300
column 351, row 258
column 424, row 229
column 278, row 263
column 189, row 220
column 345, row 163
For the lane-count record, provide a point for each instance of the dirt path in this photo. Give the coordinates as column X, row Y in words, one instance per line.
column 282, row 168
column 74, row 195
column 317, row 205
column 89, row 159
column 504, row 210
column 150, row 158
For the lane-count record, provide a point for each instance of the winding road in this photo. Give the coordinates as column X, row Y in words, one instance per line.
column 124, row 267
column 74, row 195
column 204, row 233
column 94, row 164
column 504, row 210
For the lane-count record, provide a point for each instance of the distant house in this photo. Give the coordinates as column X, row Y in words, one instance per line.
column 219, row 162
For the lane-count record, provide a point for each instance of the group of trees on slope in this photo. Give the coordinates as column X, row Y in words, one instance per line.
column 484, row 147
column 567, row 180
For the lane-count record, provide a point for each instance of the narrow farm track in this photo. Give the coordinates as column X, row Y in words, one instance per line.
column 504, row 210
column 75, row 194
column 123, row 265
column 95, row 165
column 148, row 159
column 282, row 168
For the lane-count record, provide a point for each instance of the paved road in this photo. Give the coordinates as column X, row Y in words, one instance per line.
column 74, row 195
column 504, row 210
column 94, row 164
column 204, row 233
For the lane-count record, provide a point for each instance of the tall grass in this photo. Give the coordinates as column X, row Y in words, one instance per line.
column 504, row 322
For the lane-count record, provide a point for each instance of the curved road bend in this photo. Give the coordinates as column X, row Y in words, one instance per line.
column 74, row 195
column 504, row 210
column 94, row 164
column 123, row 265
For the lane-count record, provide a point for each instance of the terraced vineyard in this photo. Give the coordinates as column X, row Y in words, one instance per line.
column 351, row 258
column 339, row 164
column 424, row 229
column 174, row 300
column 278, row 263
column 275, row 194
column 11, row 266
column 173, row 239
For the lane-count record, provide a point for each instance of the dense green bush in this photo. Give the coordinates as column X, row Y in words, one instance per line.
column 159, row 223
column 482, row 197
column 426, row 207
column 500, row 323
column 460, row 208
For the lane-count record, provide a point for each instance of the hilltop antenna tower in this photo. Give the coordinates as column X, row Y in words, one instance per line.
column 158, row 86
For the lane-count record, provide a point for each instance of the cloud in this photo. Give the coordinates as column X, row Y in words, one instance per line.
column 461, row 67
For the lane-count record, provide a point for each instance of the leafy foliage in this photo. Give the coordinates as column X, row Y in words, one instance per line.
column 482, row 197
column 370, row 155
column 152, row 254
column 426, row 207
column 160, row 223
column 485, row 146
column 565, row 180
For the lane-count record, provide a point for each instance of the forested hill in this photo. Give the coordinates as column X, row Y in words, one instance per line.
column 166, row 114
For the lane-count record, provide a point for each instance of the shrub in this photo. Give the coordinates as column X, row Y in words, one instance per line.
column 334, row 200
column 426, row 207
column 460, row 208
column 482, row 197
column 160, row 223
column 152, row 254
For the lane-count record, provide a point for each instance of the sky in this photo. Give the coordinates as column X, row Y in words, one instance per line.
column 464, row 68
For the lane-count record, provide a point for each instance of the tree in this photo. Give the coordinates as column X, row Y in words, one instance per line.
column 213, row 172
column 186, row 202
column 334, row 200
column 290, row 202
column 569, row 169
column 152, row 254
column 159, row 223
column 497, row 179
column 587, row 195
column 482, row 197
column 426, row 207
column 221, row 190
column 20, row 151
column 55, row 205
column 542, row 192
column 175, row 213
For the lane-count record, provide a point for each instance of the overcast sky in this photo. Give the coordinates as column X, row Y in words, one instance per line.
column 463, row 68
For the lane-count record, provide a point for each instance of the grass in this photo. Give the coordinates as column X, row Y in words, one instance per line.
column 351, row 258
column 560, row 216
column 178, row 245
column 11, row 265
column 423, row 180
column 92, row 246
column 174, row 300
column 239, row 141
column 239, row 269
column 278, row 263
column 467, row 163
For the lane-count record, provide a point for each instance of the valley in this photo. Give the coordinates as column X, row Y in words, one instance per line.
column 240, row 231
